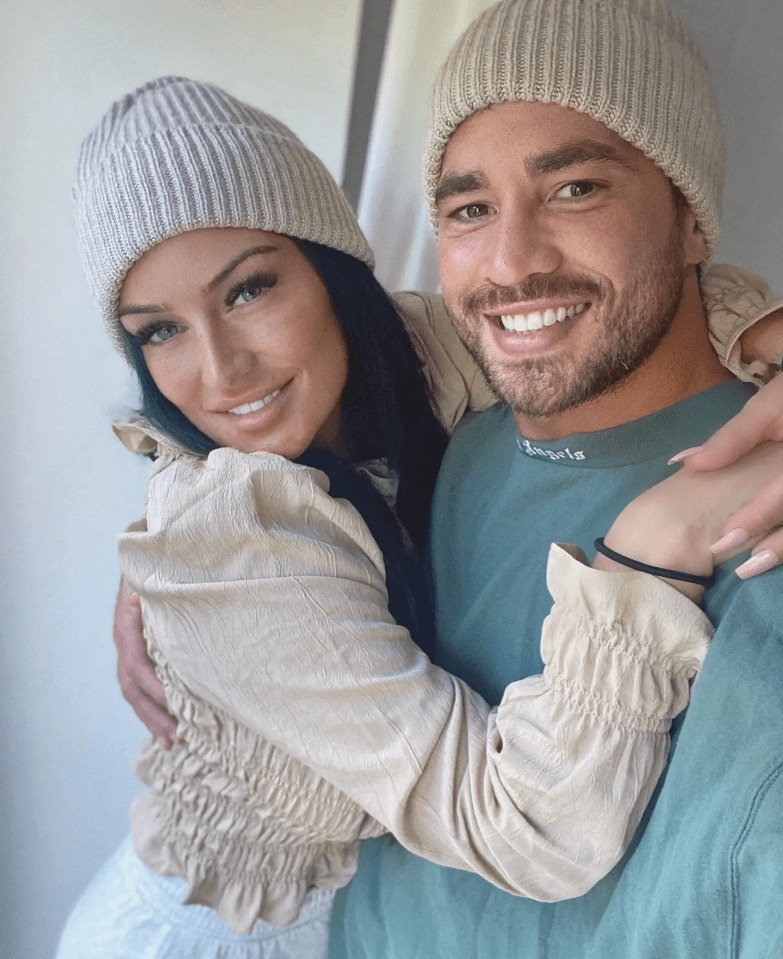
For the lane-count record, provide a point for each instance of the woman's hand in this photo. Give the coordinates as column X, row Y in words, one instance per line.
column 139, row 684
column 676, row 523
column 759, row 520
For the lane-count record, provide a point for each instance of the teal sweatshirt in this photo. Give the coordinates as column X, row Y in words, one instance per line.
column 704, row 875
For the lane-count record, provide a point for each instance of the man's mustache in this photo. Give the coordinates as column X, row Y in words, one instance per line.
column 491, row 296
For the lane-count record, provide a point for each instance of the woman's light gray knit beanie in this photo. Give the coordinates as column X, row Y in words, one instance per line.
column 177, row 155
column 630, row 64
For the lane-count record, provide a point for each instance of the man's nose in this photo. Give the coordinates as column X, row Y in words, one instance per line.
column 520, row 244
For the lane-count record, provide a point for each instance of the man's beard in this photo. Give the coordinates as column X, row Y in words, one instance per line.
column 631, row 330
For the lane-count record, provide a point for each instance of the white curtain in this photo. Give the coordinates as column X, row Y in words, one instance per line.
column 391, row 207
column 742, row 41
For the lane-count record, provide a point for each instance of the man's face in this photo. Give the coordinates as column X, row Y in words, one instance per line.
column 562, row 253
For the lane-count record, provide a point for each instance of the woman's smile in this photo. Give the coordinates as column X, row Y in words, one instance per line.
column 256, row 405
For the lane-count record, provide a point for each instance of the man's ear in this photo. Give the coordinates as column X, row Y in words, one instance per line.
column 693, row 243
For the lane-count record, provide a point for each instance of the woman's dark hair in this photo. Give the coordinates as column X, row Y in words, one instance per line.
column 385, row 407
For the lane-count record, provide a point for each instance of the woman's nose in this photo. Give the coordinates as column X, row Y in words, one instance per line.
column 225, row 359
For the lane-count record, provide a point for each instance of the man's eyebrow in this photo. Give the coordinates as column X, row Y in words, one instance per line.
column 561, row 158
column 572, row 154
column 226, row 272
column 455, row 184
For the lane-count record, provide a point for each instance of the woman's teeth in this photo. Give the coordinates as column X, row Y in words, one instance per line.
column 523, row 322
column 252, row 407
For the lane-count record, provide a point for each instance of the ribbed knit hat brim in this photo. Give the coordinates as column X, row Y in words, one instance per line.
column 630, row 64
column 178, row 155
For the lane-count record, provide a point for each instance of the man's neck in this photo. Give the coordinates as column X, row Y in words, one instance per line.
column 683, row 365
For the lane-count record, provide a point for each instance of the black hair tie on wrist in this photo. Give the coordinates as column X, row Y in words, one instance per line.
column 654, row 570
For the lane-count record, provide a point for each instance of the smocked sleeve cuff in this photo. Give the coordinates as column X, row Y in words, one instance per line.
column 624, row 646
column 580, row 748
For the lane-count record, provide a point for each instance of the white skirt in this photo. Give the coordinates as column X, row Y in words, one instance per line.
column 130, row 912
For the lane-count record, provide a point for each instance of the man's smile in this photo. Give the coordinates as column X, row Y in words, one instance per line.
column 535, row 320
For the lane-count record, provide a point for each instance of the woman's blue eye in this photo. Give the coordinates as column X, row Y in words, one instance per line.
column 250, row 289
column 156, row 333
column 163, row 333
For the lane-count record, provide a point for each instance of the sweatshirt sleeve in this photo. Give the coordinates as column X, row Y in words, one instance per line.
column 269, row 596
column 456, row 383
column 735, row 301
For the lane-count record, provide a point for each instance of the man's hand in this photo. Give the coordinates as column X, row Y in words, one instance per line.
column 759, row 521
column 139, row 684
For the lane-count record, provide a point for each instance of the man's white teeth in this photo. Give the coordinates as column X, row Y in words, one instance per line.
column 534, row 321
column 252, row 407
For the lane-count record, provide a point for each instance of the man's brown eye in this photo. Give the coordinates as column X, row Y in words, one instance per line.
column 472, row 211
column 581, row 188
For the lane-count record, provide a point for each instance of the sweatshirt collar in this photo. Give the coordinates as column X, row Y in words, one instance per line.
column 690, row 422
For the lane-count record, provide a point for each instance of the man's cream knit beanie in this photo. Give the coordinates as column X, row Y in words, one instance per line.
column 630, row 64
column 176, row 155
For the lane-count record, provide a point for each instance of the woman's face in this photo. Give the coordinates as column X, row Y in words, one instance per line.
column 238, row 332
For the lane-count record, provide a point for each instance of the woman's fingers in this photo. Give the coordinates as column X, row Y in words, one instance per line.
column 751, row 524
column 136, row 672
column 759, row 522
column 764, row 557
column 760, row 419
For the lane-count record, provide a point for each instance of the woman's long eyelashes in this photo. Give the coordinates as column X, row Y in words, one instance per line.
column 156, row 331
column 251, row 287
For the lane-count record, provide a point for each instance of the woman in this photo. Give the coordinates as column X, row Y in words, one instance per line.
column 234, row 277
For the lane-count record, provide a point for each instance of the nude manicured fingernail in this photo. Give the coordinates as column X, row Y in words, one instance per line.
column 759, row 563
column 734, row 539
column 679, row 457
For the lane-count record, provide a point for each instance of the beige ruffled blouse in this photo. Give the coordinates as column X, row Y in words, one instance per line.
column 310, row 720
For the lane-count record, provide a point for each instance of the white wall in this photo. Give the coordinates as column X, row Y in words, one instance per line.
column 742, row 41
column 68, row 739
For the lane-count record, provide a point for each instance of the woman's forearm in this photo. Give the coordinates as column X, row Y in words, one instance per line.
column 268, row 598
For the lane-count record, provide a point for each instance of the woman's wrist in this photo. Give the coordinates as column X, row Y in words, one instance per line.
column 686, row 581
column 653, row 532
column 681, row 576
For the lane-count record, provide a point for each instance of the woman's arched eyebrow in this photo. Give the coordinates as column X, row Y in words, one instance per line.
column 128, row 310
column 226, row 272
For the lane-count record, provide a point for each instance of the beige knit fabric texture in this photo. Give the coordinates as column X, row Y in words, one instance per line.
column 630, row 64
column 178, row 155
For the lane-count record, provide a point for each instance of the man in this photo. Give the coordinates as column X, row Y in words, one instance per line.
column 574, row 175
